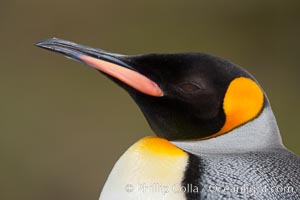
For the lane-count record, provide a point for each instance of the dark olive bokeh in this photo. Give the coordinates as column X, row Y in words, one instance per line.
column 63, row 125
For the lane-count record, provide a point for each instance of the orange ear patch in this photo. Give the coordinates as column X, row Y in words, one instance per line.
column 243, row 101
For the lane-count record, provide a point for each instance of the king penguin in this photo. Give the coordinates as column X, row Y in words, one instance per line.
column 216, row 134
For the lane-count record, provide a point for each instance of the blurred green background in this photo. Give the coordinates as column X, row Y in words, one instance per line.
column 63, row 125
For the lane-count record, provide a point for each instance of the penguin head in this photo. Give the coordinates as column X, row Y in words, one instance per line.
column 184, row 96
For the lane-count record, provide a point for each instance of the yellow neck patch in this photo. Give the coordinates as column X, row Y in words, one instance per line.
column 158, row 146
column 243, row 101
column 148, row 166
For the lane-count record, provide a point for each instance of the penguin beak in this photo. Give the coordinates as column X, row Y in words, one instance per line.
column 108, row 63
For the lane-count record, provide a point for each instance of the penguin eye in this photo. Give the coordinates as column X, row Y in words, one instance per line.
column 189, row 87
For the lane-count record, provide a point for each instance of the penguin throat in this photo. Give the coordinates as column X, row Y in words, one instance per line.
column 259, row 134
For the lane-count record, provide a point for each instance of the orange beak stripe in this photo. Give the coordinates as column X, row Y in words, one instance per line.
column 132, row 78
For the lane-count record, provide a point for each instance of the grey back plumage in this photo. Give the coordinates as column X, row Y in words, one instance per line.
column 272, row 174
column 249, row 162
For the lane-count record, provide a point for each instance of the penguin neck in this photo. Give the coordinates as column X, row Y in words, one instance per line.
column 260, row 134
